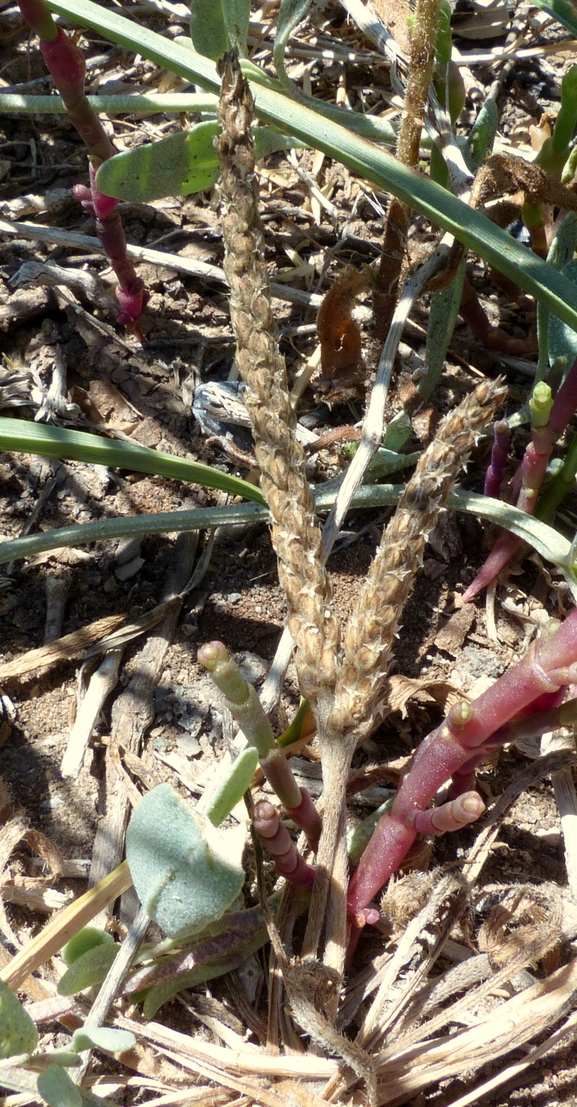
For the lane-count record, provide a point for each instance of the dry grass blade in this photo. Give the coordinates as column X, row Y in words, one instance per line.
column 64, row 925
column 64, row 649
column 479, row 1094
column 509, row 1026
column 253, row 1060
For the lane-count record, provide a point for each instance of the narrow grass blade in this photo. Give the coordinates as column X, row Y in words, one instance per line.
column 363, row 157
column 36, row 438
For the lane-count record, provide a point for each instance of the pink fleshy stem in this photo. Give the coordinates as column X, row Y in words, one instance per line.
column 499, row 455
column 531, row 724
column 468, row 731
column 278, row 843
column 307, row 818
column 454, row 815
column 532, row 471
column 66, row 64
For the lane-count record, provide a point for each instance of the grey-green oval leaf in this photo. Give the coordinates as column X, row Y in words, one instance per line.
column 18, row 1033
column 87, row 938
column 186, row 872
column 180, row 164
column 103, row 1037
column 56, row 1087
column 89, row 969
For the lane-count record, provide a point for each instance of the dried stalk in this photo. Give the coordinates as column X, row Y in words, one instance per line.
column 422, row 61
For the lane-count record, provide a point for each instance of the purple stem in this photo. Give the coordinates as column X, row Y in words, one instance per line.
column 499, row 455
column 467, row 732
column 66, row 64
column 529, row 479
column 277, row 842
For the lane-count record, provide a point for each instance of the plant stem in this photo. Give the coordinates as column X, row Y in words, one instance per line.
column 469, row 730
column 422, row 62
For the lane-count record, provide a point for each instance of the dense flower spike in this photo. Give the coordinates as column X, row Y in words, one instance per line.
column 65, row 62
column 296, row 534
column 373, row 624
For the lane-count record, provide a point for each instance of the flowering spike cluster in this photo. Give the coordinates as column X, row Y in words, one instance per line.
column 469, row 732
column 66, row 64
column 278, row 843
column 548, row 420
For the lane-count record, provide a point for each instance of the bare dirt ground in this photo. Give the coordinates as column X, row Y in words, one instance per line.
column 146, row 392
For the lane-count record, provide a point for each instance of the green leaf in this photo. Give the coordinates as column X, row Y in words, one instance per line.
column 178, row 165
column 87, row 938
column 236, row 15
column 207, row 28
column 370, row 161
column 89, row 969
column 186, row 873
column 24, row 436
column 233, row 786
column 561, row 10
column 566, row 120
column 442, row 318
column 125, row 526
column 267, row 140
column 56, row 1087
column 18, row 1033
column 103, row 1037
column 482, row 136
column 289, row 16
column 562, row 339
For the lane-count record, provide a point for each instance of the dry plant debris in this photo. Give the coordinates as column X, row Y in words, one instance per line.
column 473, row 964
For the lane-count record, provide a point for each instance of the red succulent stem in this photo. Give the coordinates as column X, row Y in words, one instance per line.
column 529, row 478
column 278, row 843
column 499, row 455
column 67, row 67
column 454, row 815
column 469, row 731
